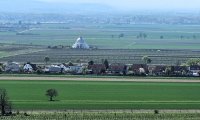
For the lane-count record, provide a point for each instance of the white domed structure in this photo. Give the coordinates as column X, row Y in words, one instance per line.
column 80, row 44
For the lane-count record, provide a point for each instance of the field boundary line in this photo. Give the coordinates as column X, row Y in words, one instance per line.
column 100, row 79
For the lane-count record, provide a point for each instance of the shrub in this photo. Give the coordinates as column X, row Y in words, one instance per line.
column 156, row 111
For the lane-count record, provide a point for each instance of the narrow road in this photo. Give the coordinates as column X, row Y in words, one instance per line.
column 173, row 80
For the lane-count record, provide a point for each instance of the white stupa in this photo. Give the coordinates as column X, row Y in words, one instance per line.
column 80, row 44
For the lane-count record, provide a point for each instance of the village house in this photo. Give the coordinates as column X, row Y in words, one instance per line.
column 64, row 68
column 12, row 67
column 195, row 70
column 179, row 70
column 157, row 70
column 96, row 68
column 52, row 69
column 118, row 69
column 139, row 69
column 75, row 69
column 151, row 69
column 29, row 67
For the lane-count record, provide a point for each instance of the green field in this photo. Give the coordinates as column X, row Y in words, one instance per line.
column 31, row 45
column 101, row 35
column 29, row 95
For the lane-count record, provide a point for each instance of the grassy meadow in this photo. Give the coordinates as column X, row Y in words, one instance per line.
column 30, row 95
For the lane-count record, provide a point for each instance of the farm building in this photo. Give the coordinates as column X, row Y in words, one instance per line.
column 80, row 44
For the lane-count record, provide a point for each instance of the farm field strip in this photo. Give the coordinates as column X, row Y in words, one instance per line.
column 95, row 102
column 101, row 36
column 128, row 56
column 109, row 30
column 102, row 95
column 21, row 52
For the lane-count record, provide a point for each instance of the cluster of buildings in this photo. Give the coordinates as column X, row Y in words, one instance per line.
column 102, row 69
column 14, row 67
column 181, row 17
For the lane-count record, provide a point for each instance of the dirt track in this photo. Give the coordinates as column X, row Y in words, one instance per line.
column 109, row 111
column 100, row 79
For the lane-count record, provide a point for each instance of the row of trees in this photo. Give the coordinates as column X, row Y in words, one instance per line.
column 182, row 37
column 142, row 35
column 192, row 62
column 145, row 59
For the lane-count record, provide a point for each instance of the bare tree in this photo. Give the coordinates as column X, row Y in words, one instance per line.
column 105, row 62
column 121, row 35
column 70, row 63
column 181, row 37
column 51, row 93
column 142, row 35
column 5, row 105
column 91, row 62
column 168, row 71
column 146, row 59
column 145, row 35
column 46, row 59
column 194, row 36
column 79, row 61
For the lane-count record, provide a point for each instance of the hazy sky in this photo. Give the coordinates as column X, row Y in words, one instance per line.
column 92, row 5
column 140, row 4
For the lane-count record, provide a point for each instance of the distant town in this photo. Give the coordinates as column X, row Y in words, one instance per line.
column 134, row 18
